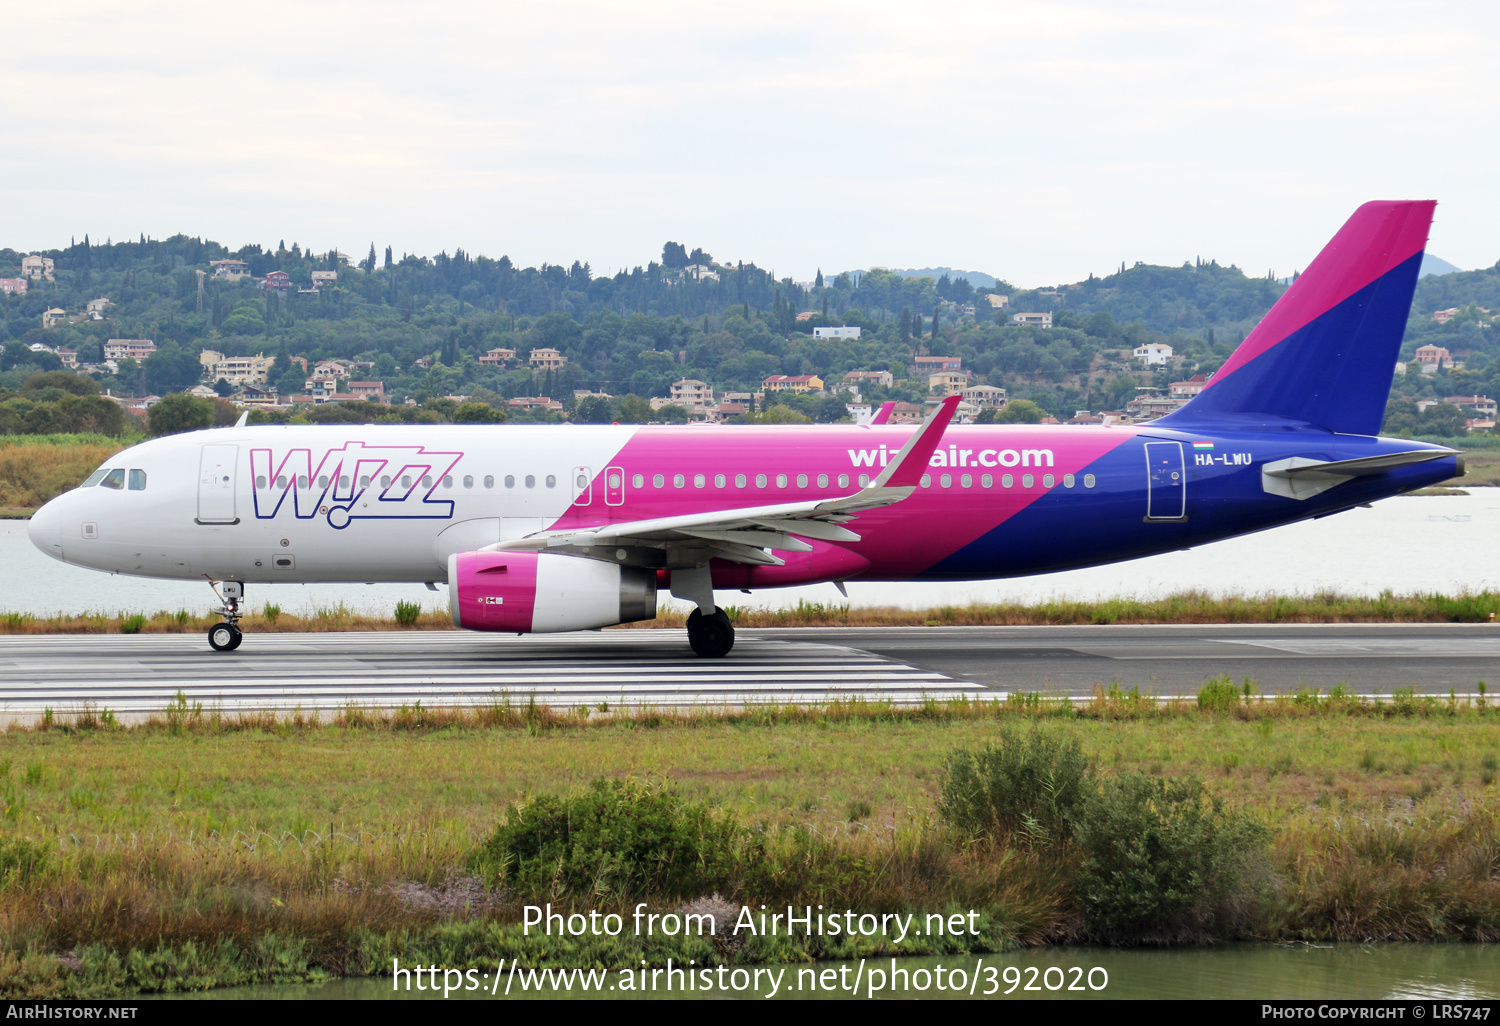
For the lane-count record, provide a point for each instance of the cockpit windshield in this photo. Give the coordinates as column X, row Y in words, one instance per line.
column 106, row 477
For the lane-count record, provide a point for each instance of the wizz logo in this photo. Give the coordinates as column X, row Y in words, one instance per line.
column 352, row 482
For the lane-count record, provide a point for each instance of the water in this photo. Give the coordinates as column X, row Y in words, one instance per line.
column 1244, row 972
column 1429, row 543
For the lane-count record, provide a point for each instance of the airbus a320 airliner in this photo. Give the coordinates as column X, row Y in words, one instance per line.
column 572, row 527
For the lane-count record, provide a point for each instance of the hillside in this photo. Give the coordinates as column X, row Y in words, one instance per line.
column 634, row 333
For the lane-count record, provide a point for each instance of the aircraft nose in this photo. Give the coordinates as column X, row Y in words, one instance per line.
column 45, row 530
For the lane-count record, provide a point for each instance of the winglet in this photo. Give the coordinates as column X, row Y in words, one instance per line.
column 906, row 470
column 244, row 417
column 884, row 413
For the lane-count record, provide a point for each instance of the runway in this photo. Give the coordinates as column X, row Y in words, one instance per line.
column 323, row 672
column 1175, row 659
column 139, row 674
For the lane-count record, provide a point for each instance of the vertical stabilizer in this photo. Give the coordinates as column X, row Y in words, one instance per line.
column 1326, row 352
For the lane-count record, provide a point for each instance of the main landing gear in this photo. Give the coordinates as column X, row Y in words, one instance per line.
column 712, row 635
column 226, row 636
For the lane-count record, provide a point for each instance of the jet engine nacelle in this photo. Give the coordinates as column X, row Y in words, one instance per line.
column 531, row 592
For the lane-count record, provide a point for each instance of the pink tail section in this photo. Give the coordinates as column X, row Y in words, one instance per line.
column 1325, row 353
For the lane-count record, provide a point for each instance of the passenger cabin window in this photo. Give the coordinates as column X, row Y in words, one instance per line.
column 468, row 480
column 551, row 481
column 93, row 478
column 114, row 479
column 489, row 481
column 137, row 480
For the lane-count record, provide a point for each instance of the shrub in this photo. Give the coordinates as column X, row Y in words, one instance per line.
column 407, row 613
column 1031, row 783
column 271, row 611
column 1219, row 694
column 132, row 624
column 1164, row 860
column 619, row 839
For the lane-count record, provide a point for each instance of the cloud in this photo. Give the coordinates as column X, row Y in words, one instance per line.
column 1036, row 141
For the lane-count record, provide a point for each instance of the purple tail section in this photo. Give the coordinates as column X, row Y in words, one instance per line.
column 1325, row 353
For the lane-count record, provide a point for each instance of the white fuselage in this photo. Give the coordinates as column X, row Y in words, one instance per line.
column 265, row 504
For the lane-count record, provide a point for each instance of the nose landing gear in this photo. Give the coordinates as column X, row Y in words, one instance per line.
column 226, row 636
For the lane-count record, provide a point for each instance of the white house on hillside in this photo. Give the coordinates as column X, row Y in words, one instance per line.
column 1153, row 353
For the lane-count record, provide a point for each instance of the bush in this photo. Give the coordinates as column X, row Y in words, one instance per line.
column 1163, row 860
column 1033, row 783
column 619, row 839
column 132, row 624
column 272, row 612
column 406, row 613
column 1220, row 694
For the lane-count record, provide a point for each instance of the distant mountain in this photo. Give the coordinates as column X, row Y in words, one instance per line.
column 978, row 279
column 1430, row 265
column 1435, row 265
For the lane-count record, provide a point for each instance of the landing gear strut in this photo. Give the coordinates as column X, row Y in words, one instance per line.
column 711, row 636
column 226, row 636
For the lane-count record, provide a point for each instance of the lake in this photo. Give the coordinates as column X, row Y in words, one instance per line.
column 1234, row 971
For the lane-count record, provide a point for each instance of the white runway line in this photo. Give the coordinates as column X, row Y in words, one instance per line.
column 321, row 672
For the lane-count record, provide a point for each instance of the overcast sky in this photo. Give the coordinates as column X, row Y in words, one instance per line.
column 1035, row 141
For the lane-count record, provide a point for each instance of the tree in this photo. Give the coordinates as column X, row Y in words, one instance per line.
column 477, row 413
column 76, row 384
column 369, row 261
column 698, row 256
column 388, row 260
column 180, row 412
column 1020, row 411
column 671, row 413
column 634, row 410
column 594, row 409
column 1442, row 419
column 674, row 255
column 1400, row 416
column 223, row 388
column 817, row 284
column 171, row 368
column 778, row 414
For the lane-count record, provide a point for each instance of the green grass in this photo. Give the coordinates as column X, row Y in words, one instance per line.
column 204, row 845
column 1185, row 607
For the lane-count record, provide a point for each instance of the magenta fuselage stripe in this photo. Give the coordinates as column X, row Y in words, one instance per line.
column 1379, row 237
column 896, row 542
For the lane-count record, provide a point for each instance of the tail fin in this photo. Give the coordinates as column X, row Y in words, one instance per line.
column 1326, row 352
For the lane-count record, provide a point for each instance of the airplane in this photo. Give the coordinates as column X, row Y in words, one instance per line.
column 572, row 527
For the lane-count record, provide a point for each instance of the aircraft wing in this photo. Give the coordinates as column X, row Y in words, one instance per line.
column 746, row 534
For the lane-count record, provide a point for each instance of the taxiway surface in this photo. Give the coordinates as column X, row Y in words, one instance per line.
column 145, row 673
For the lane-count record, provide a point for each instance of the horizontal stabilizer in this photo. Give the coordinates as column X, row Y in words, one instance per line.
column 1301, row 477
